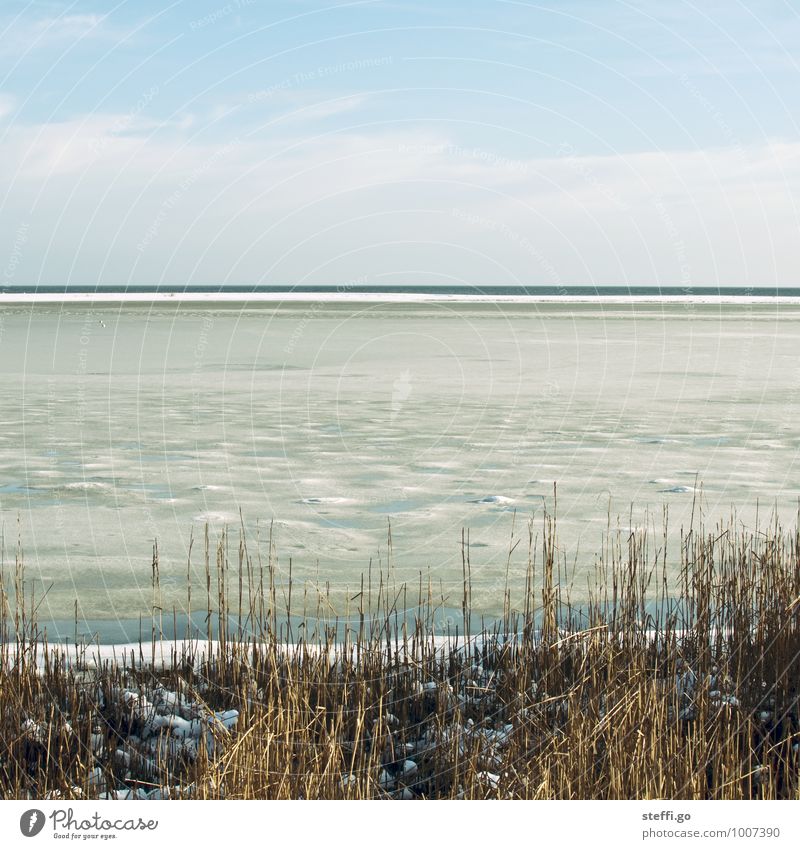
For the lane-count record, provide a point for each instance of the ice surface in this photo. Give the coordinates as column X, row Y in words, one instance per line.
column 334, row 422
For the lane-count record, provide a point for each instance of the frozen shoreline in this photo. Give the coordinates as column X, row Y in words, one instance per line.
column 163, row 654
column 152, row 736
column 276, row 298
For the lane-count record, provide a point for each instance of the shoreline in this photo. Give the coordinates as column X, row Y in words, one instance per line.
column 277, row 298
column 701, row 699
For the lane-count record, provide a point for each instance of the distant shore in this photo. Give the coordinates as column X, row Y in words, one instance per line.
column 377, row 297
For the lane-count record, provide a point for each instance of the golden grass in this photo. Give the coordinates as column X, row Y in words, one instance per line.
column 674, row 681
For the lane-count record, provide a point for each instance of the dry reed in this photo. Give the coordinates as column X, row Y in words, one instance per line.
column 674, row 681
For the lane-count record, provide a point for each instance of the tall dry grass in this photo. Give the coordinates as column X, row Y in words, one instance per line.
column 675, row 680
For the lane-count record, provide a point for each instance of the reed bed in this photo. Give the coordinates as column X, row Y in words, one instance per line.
column 676, row 679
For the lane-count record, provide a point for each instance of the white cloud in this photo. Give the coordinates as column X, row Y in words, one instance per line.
column 69, row 25
column 326, row 108
column 7, row 104
column 23, row 36
column 269, row 205
column 282, row 105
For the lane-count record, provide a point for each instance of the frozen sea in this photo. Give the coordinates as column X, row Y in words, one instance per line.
column 127, row 423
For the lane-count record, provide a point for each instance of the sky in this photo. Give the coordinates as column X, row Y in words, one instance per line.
column 495, row 142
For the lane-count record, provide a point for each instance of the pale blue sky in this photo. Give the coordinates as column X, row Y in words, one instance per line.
column 476, row 142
